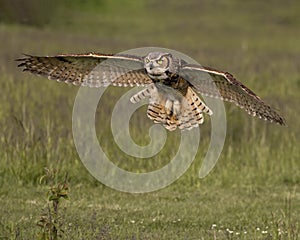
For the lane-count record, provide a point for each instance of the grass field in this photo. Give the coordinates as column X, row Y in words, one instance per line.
column 254, row 190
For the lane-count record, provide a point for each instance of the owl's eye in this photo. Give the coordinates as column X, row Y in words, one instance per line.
column 160, row 61
column 147, row 60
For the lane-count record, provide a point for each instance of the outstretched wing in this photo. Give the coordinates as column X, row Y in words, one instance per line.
column 223, row 85
column 91, row 69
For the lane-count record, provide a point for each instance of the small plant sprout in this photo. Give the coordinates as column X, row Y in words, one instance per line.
column 51, row 220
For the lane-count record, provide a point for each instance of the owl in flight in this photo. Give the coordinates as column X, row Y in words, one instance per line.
column 170, row 83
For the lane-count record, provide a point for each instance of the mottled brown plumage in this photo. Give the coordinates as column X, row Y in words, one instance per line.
column 89, row 69
column 224, row 86
column 171, row 108
column 171, row 84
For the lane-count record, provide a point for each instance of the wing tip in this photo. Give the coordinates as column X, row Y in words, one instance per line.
column 273, row 119
column 281, row 121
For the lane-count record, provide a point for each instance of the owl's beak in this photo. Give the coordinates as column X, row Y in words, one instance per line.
column 151, row 66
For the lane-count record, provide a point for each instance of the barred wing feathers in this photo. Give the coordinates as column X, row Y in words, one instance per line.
column 91, row 69
column 223, row 85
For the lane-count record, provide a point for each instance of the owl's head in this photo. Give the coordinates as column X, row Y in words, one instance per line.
column 157, row 64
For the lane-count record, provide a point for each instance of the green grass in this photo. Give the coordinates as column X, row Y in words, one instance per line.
column 252, row 193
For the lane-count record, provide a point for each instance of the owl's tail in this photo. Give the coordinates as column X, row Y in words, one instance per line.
column 189, row 116
column 186, row 112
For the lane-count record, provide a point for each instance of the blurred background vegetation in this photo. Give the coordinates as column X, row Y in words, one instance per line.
column 255, row 184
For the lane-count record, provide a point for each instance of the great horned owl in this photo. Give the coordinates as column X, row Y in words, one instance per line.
column 171, row 84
